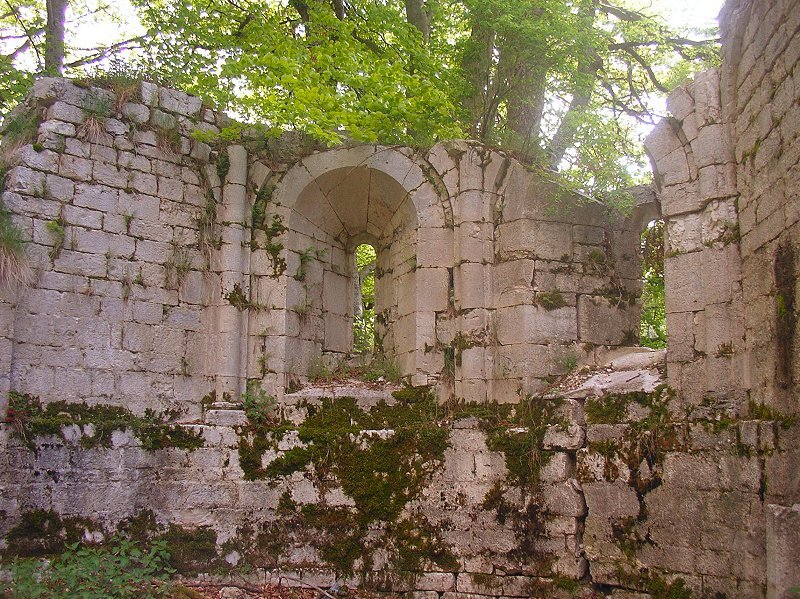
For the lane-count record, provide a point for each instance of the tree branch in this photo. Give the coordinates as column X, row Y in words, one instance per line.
column 647, row 69
column 102, row 53
column 15, row 12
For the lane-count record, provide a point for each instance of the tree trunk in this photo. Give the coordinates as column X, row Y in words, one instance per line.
column 586, row 77
column 525, row 103
column 565, row 135
column 54, row 40
column 419, row 15
column 476, row 64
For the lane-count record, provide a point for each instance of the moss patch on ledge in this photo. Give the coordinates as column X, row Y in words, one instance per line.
column 382, row 458
column 29, row 419
column 40, row 533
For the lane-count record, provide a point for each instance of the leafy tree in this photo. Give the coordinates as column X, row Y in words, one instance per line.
column 38, row 37
column 364, row 299
column 562, row 83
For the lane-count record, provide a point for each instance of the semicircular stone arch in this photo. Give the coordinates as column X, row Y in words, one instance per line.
column 330, row 203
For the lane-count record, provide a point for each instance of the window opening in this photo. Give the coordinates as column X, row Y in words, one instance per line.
column 364, row 259
column 653, row 328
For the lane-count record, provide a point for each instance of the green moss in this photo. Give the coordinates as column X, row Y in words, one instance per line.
column 380, row 474
column 191, row 550
column 518, row 434
column 168, row 139
column 339, row 535
column 237, row 298
column 56, row 229
column 271, row 246
column 419, row 545
column 759, row 411
column 550, row 300
column 20, row 129
column 306, row 256
column 609, row 409
column 260, row 546
column 655, row 585
column 45, row 533
column 29, row 419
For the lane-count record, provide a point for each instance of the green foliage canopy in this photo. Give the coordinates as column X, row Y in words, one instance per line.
column 560, row 83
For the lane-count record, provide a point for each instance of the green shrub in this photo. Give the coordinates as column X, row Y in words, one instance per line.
column 258, row 406
column 120, row 571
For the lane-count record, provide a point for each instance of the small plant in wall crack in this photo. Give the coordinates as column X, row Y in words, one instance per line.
column 306, row 256
column 126, row 286
column 236, row 297
column 127, row 218
column 304, row 308
column 93, row 127
column 14, row 267
column 178, row 264
column 58, row 232
column 258, row 406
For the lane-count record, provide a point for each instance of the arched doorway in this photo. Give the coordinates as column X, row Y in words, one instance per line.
column 331, row 203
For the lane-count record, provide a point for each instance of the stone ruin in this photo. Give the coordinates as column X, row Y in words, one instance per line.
column 531, row 451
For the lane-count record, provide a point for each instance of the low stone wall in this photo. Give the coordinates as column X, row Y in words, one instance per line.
column 421, row 504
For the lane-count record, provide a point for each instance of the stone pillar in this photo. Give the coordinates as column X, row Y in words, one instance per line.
column 234, row 267
column 696, row 180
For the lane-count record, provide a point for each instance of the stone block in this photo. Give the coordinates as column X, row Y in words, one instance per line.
column 473, row 242
column 61, row 111
column 557, row 469
column 536, row 325
column 528, row 239
column 225, row 417
column 604, row 323
column 176, row 101
column 685, row 233
column 474, row 205
column 512, row 282
column 685, row 291
column 565, row 499
column 440, row 582
column 680, row 198
column 432, row 289
column 471, row 286
column 570, row 438
column 717, row 181
column 711, row 146
column 674, row 168
column 663, row 140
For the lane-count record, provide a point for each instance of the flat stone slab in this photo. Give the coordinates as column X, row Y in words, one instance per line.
column 366, row 397
column 226, row 417
column 625, row 381
column 638, row 358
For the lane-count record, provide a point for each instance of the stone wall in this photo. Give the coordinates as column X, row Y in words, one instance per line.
column 168, row 273
column 175, row 269
column 167, row 269
column 108, row 192
column 726, row 170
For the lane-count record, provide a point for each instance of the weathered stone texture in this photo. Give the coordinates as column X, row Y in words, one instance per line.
column 726, row 168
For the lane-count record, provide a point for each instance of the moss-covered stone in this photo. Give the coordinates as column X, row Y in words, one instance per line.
column 30, row 419
column 42, row 533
